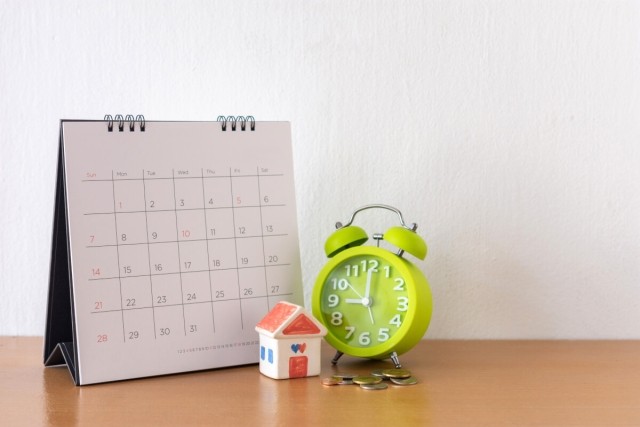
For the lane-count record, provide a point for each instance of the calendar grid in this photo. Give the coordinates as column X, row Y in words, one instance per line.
column 235, row 247
column 189, row 209
column 97, row 279
column 185, row 177
column 184, row 321
column 266, row 286
column 206, row 228
column 182, row 304
column 191, row 240
column 115, row 219
column 126, row 211
column 146, row 223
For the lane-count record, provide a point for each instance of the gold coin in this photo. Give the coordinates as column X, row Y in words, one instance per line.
column 342, row 377
column 404, row 381
column 378, row 386
column 330, row 382
column 378, row 373
column 396, row 373
column 365, row 379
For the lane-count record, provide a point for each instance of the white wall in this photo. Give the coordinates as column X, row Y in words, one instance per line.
column 510, row 131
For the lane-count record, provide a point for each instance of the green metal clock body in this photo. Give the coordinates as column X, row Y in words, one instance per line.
column 372, row 302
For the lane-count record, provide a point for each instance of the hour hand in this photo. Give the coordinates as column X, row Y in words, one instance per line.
column 353, row 300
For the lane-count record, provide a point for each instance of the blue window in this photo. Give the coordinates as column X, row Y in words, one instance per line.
column 262, row 352
column 270, row 356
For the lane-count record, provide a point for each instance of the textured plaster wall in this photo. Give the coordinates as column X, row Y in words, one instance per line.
column 509, row 130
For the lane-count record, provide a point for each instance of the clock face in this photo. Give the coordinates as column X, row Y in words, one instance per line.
column 366, row 297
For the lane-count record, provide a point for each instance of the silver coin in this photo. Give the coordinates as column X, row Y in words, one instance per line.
column 379, row 386
column 404, row 381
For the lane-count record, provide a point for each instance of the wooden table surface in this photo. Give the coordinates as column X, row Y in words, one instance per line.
column 473, row 383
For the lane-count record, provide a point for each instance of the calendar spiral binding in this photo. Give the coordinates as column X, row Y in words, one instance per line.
column 224, row 122
column 121, row 122
column 234, row 120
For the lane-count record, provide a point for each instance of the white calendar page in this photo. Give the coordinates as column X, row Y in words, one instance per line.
column 181, row 238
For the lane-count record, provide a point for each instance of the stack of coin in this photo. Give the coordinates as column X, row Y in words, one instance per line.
column 399, row 376
column 374, row 381
column 369, row 382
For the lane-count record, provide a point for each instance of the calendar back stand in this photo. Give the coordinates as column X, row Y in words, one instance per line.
column 58, row 344
column 171, row 240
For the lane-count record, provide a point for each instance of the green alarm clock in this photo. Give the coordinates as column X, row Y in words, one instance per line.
column 373, row 301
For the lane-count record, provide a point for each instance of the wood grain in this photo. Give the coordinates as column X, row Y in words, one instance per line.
column 474, row 383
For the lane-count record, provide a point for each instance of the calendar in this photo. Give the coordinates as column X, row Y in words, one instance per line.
column 171, row 241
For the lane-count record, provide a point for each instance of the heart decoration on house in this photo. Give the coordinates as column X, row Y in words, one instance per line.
column 299, row 347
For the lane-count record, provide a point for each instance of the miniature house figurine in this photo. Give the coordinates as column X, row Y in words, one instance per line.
column 290, row 342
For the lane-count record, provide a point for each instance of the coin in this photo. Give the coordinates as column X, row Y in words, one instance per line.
column 365, row 379
column 379, row 386
column 396, row 373
column 343, row 380
column 378, row 373
column 404, row 381
column 330, row 382
column 344, row 376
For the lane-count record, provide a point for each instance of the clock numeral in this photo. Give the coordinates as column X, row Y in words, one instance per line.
column 350, row 331
column 364, row 338
column 352, row 270
column 383, row 334
column 364, row 266
column 341, row 284
column 371, row 264
column 403, row 303
column 395, row 320
column 387, row 271
column 334, row 300
column 336, row 318
column 399, row 284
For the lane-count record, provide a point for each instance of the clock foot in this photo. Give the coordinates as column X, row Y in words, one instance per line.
column 395, row 360
column 338, row 355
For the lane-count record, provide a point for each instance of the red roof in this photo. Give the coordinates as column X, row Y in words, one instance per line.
column 289, row 319
column 276, row 317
